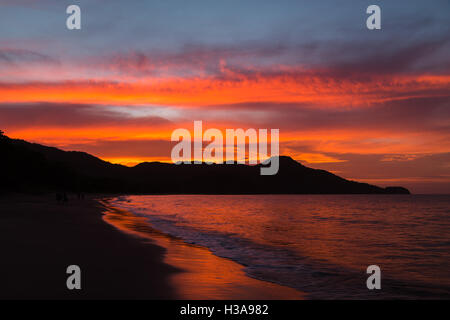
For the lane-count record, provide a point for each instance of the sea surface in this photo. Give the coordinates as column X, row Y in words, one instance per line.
column 318, row 244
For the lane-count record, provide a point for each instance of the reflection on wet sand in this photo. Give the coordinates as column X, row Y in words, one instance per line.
column 202, row 275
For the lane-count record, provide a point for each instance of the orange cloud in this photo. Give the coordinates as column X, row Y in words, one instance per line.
column 290, row 87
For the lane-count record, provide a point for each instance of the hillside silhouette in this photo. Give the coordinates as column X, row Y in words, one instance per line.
column 30, row 167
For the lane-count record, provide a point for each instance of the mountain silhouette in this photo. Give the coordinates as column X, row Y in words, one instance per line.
column 30, row 167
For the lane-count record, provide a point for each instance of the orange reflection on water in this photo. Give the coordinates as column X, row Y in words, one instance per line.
column 203, row 275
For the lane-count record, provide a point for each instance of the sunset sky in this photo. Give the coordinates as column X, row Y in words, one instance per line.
column 371, row 106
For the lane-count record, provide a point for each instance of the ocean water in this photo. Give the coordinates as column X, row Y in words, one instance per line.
column 318, row 244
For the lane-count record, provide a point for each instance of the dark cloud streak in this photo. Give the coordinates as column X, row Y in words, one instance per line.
column 68, row 116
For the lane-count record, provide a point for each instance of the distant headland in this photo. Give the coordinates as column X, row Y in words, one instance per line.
column 30, row 167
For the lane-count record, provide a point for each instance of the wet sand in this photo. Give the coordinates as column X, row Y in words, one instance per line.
column 204, row 275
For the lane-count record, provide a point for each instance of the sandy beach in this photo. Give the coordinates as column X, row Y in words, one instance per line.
column 120, row 256
column 40, row 238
